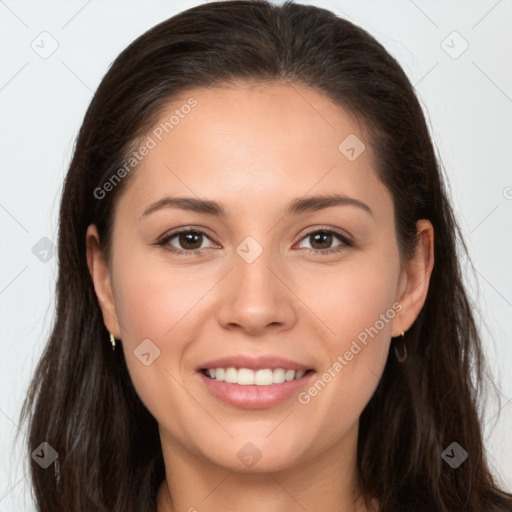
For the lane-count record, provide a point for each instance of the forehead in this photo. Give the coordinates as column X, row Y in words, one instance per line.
column 248, row 143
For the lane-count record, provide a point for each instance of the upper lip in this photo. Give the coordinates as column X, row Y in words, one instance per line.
column 254, row 363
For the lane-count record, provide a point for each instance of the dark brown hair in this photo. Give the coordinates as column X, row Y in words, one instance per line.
column 81, row 400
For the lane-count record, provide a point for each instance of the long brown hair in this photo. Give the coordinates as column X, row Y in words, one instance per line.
column 81, row 399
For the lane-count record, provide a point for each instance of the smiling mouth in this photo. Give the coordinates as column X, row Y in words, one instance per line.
column 248, row 377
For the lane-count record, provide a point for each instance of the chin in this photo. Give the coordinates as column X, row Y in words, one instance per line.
column 251, row 459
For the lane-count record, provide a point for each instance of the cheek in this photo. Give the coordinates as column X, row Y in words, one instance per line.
column 152, row 299
column 159, row 305
column 355, row 301
column 351, row 296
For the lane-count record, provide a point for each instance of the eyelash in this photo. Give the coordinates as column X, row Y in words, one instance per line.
column 164, row 240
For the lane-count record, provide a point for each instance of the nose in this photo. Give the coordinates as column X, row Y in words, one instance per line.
column 257, row 297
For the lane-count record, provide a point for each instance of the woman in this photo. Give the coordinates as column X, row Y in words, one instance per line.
column 204, row 358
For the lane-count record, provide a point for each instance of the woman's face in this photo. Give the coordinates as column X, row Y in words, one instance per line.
column 247, row 285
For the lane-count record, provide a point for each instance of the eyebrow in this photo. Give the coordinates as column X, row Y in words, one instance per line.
column 295, row 207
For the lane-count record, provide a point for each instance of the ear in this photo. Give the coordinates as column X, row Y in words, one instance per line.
column 102, row 280
column 415, row 279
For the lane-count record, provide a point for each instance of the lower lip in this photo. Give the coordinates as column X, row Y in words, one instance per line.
column 254, row 397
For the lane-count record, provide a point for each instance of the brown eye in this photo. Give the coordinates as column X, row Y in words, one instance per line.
column 184, row 241
column 190, row 240
column 321, row 241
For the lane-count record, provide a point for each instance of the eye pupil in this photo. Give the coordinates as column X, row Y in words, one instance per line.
column 327, row 238
column 190, row 238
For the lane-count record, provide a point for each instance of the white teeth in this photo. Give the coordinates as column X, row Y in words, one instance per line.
column 289, row 375
column 247, row 377
column 278, row 376
column 261, row 377
column 231, row 375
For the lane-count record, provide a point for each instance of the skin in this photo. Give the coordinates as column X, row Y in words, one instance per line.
column 254, row 150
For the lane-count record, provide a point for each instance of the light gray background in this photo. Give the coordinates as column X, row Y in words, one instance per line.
column 467, row 99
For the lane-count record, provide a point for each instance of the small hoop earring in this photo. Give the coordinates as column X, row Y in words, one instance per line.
column 400, row 348
column 113, row 341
